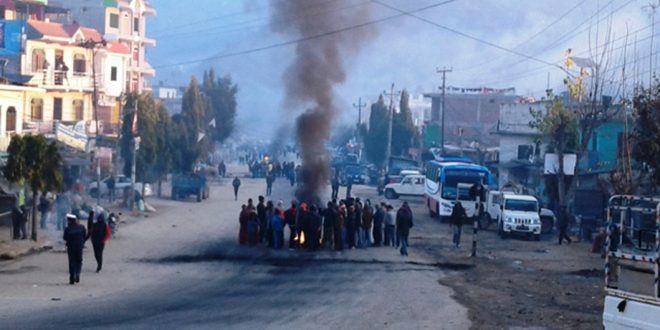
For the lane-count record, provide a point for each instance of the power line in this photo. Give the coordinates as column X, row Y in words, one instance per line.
column 465, row 35
column 303, row 39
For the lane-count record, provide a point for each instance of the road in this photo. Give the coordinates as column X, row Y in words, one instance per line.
column 182, row 268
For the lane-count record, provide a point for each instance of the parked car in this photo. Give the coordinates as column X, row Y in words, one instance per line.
column 410, row 185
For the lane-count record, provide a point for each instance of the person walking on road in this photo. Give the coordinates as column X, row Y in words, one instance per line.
column 458, row 217
column 74, row 236
column 562, row 223
column 270, row 178
column 404, row 221
column 335, row 186
column 99, row 232
column 390, row 223
column 110, row 183
column 237, row 184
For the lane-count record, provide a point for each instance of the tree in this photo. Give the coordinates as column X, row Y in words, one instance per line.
column 404, row 133
column 154, row 129
column 35, row 162
column 646, row 131
column 559, row 127
column 376, row 138
column 191, row 141
column 221, row 101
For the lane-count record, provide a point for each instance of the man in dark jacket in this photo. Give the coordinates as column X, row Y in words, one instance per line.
column 329, row 224
column 74, row 235
column 404, row 221
column 261, row 214
column 236, row 184
column 335, row 186
column 562, row 223
column 18, row 222
column 379, row 218
column 458, row 217
column 290, row 220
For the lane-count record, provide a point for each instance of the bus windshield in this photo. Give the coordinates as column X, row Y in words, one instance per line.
column 451, row 179
column 521, row 205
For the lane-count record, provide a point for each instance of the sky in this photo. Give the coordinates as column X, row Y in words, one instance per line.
column 467, row 36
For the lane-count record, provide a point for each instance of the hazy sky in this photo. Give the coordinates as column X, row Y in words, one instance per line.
column 406, row 50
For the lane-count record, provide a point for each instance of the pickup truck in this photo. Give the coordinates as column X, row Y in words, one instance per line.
column 632, row 271
column 410, row 185
column 514, row 214
column 184, row 185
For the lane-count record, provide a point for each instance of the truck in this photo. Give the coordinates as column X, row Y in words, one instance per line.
column 184, row 185
column 632, row 263
column 514, row 214
column 410, row 185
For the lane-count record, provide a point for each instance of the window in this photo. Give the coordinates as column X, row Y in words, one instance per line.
column 136, row 25
column 525, row 152
column 79, row 109
column 113, row 73
column 114, row 21
column 79, row 65
column 38, row 60
column 11, row 120
column 37, row 109
column 57, row 108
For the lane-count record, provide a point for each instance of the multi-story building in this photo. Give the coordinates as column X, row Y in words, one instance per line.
column 171, row 97
column 123, row 21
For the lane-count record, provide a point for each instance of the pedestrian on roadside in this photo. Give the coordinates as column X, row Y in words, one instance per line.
column 349, row 186
column 222, row 169
column 314, row 228
column 458, row 217
column 328, row 224
column 335, row 186
column 263, row 219
column 253, row 227
column 243, row 222
column 404, row 221
column 236, row 184
column 358, row 223
column 270, row 210
column 18, row 225
column 367, row 221
column 351, row 226
column 562, row 223
column 390, row 223
column 339, row 226
column 110, row 183
column 270, row 178
column 277, row 224
column 43, row 207
column 379, row 217
column 74, row 236
column 99, row 232
column 290, row 219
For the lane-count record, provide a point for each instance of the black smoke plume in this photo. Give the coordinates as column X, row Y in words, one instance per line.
column 317, row 68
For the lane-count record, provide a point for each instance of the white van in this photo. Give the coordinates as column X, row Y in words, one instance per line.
column 514, row 214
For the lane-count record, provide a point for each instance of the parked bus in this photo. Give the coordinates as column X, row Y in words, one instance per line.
column 442, row 186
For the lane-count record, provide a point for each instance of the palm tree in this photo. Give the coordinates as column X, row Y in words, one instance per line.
column 35, row 162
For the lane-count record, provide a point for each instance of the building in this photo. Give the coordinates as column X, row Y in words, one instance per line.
column 123, row 21
column 471, row 114
column 12, row 103
column 171, row 97
column 420, row 107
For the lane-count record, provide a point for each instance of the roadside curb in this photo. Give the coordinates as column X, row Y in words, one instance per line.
column 17, row 253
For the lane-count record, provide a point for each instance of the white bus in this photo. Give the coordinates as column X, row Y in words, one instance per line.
column 442, row 187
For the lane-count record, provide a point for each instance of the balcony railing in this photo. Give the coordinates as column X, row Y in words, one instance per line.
column 62, row 79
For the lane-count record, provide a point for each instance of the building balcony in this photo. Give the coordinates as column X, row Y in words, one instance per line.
column 63, row 80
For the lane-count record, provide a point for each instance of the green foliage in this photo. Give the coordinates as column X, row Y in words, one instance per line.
column 646, row 133
column 221, row 101
column 154, row 129
column 376, row 138
column 190, row 124
column 404, row 133
column 36, row 162
column 558, row 127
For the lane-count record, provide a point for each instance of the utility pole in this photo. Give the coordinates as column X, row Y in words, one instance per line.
column 91, row 44
column 444, row 72
column 390, row 111
column 359, row 106
column 653, row 6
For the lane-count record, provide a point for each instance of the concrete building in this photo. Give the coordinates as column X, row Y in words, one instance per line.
column 171, row 97
column 420, row 108
column 12, row 104
column 471, row 113
column 123, row 21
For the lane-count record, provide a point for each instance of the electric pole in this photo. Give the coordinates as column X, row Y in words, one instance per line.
column 390, row 112
column 359, row 106
column 444, row 72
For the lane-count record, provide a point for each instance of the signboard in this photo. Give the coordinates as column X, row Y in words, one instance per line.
column 68, row 136
column 552, row 164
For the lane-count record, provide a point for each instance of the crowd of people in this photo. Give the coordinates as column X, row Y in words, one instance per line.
column 346, row 224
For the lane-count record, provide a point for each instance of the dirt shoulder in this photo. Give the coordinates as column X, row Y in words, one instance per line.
column 515, row 282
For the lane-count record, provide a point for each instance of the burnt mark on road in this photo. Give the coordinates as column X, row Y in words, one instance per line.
column 302, row 261
column 21, row 270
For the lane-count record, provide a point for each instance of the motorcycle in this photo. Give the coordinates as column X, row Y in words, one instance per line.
column 113, row 222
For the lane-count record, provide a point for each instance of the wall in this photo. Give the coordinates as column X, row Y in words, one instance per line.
column 113, row 88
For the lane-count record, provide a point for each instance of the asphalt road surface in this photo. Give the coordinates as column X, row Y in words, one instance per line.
column 183, row 268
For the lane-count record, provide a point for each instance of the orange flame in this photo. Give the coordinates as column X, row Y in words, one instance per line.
column 302, row 237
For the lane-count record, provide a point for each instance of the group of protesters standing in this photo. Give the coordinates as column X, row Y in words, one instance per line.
column 345, row 224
